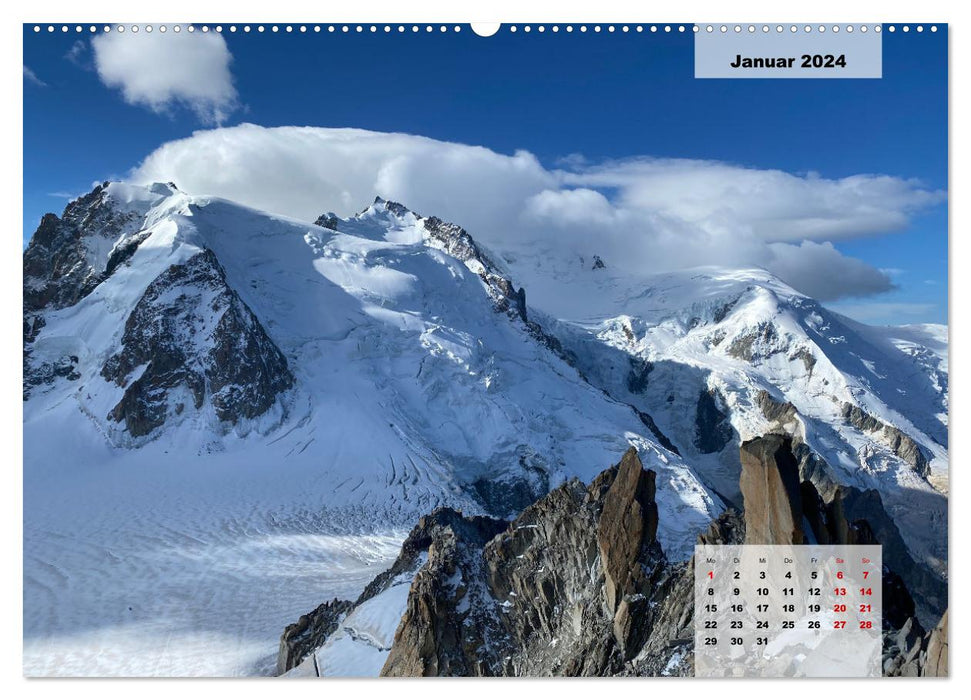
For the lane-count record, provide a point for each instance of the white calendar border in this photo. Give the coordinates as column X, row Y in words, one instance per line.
column 622, row 11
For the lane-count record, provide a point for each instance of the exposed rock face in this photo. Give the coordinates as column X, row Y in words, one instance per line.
column 507, row 494
column 781, row 509
column 929, row 591
column 576, row 585
column 780, row 413
column 428, row 558
column 668, row 649
column 649, row 423
column 910, row 652
column 757, row 344
column 771, row 492
column 301, row 638
column 780, row 504
column 901, row 444
column 640, row 371
column 784, row 419
column 807, row 358
column 456, row 241
column 627, row 523
column 40, row 373
column 67, row 256
column 328, row 220
column 935, row 663
column 430, row 640
column 569, row 588
column 713, row 429
column 193, row 337
column 902, row 649
column 66, row 259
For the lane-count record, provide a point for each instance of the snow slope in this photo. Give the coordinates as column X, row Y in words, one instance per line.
column 411, row 391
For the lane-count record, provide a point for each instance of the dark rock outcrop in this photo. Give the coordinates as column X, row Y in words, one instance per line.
column 628, row 522
column 569, row 588
column 756, row 344
column 190, row 337
column 328, row 220
column 649, row 423
column 899, row 443
column 771, row 492
column 910, row 652
column 577, row 585
column 65, row 260
column 431, row 638
column 782, row 508
column 456, row 241
column 807, row 358
column 62, row 261
column 713, row 429
column 780, row 413
column 640, row 371
column 442, row 537
column 300, row 639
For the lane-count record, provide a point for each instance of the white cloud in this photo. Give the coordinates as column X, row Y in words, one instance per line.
column 771, row 204
column 31, row 77
column 304, row 171
column 649, row 215
column 571, row 207
column 161, row 71
column 821, row 271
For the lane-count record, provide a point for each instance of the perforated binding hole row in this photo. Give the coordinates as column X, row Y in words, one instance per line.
column 486, row 30
column 289, row 29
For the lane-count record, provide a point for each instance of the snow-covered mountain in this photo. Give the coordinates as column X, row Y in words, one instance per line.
column 205, row 382
column 719, row 357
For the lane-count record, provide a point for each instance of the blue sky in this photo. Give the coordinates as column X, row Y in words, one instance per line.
column 604, row 96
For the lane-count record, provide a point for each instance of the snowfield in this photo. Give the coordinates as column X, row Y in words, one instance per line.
column 154, row 567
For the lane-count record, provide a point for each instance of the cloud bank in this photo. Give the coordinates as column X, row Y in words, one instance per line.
column 162, row 71
column 651, row 215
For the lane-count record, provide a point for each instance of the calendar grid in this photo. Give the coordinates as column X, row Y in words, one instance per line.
column 788, row 611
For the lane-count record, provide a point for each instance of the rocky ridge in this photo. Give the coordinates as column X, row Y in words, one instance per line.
column 578, row 585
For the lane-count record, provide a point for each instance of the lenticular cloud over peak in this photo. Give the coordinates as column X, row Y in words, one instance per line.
column 651, row 214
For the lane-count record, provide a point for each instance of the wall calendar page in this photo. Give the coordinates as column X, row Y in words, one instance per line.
column 547, row 349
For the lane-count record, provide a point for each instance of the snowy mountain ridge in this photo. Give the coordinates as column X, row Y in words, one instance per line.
column 723, row 356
